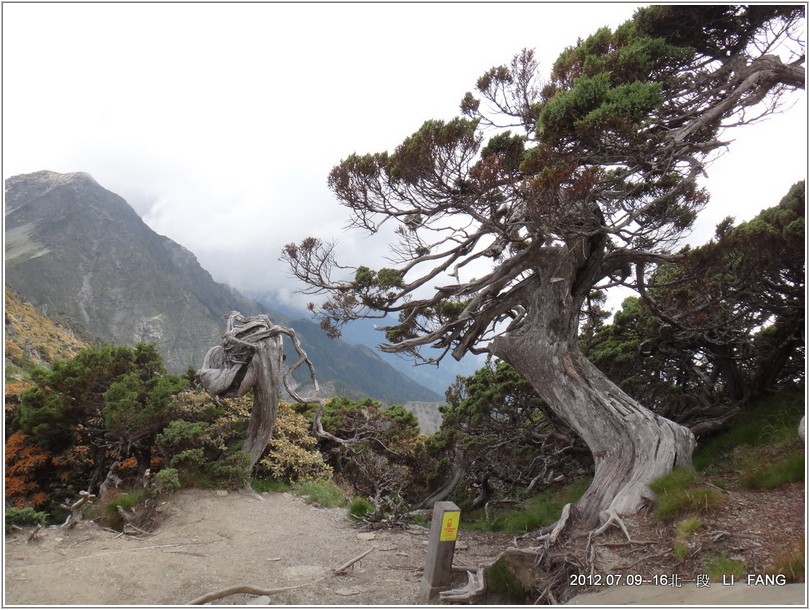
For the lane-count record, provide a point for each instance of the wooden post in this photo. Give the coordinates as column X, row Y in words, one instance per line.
column 441, row 545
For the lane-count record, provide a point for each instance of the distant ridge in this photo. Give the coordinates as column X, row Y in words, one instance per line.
column 76, row 249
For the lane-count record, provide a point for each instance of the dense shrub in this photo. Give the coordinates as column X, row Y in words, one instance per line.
column 24, row 516
column 102, row 407
column 292, row 453
column 499, row 434
column 204, row 443
column 387, row 456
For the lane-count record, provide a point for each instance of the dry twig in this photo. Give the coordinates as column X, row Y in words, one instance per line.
column 351, row 562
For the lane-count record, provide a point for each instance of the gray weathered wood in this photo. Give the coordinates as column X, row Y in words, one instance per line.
column 251, row 357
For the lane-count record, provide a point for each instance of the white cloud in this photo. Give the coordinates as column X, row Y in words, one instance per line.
column 220, row 122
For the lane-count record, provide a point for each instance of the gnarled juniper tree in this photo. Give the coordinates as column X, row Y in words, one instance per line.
column 582, row 178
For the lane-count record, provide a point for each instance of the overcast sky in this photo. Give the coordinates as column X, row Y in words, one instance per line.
column 219, row 123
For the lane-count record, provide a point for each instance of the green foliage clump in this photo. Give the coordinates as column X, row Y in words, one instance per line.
column 676, row 494
column 127, row 501
column 24, row 516
column 502, row 581
column 103, row 405
column 232, row 470
column 204, row 443
column 720, row 566
column 538, row 511
column 495, row 425
column 167, row 480
column 322, row 493
column 292, row 453
column 739, row 302
column 388, row 460
column 360, row 508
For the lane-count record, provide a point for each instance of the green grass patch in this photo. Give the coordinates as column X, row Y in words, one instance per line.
column 359, row 508
column 687, row 527
column 502, row 582
column 538, row 511
column 767, row 421
column 677, row 492
column 790, row 564
column 683, row 534
column 787, row 469
column 263, row 485
column 324, row 493
column 692, row 499
column 420, row 519
column 126, row 500
column 721, row 566
column 677, row 479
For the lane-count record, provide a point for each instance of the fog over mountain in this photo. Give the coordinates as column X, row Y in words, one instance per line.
column 74, row 248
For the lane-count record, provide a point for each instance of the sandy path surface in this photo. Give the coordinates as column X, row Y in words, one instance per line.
column 208, row 541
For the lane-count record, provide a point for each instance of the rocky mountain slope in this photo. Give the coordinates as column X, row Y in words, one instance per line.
column 35, row 340
column 78, row 250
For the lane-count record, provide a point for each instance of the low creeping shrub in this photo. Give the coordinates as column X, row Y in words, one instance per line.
column 24, row 516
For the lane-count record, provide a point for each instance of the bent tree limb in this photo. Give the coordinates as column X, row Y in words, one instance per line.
column 251, row 358
column 606, row 176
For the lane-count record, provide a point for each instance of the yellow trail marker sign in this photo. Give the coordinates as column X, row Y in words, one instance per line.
column 441, row 546
column 450, row 522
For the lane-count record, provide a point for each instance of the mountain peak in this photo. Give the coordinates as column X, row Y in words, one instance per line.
column 78, row 249
column 49, row 179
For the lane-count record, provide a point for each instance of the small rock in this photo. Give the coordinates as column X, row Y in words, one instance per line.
column 58, row 539
column 462, row 546
column 347, row 592
column 222, row 492
column 261, row 600
column 366, row 536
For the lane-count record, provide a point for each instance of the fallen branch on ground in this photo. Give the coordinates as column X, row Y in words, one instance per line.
column 209, row 597
column 251, row 590
column 34, row 532
column 351, row 562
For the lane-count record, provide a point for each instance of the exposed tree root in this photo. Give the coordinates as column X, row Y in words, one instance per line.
column 554, row 567
column 544, row 570
column 611, row 519
column 76, row 509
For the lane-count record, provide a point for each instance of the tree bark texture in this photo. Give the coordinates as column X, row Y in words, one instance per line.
column 630, row 444
column 250, row 357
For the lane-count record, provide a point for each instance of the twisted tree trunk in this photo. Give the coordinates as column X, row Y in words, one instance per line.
column 250, row 357
column 630, row 444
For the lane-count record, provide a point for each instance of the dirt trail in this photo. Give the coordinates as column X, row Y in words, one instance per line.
column 209, row 541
